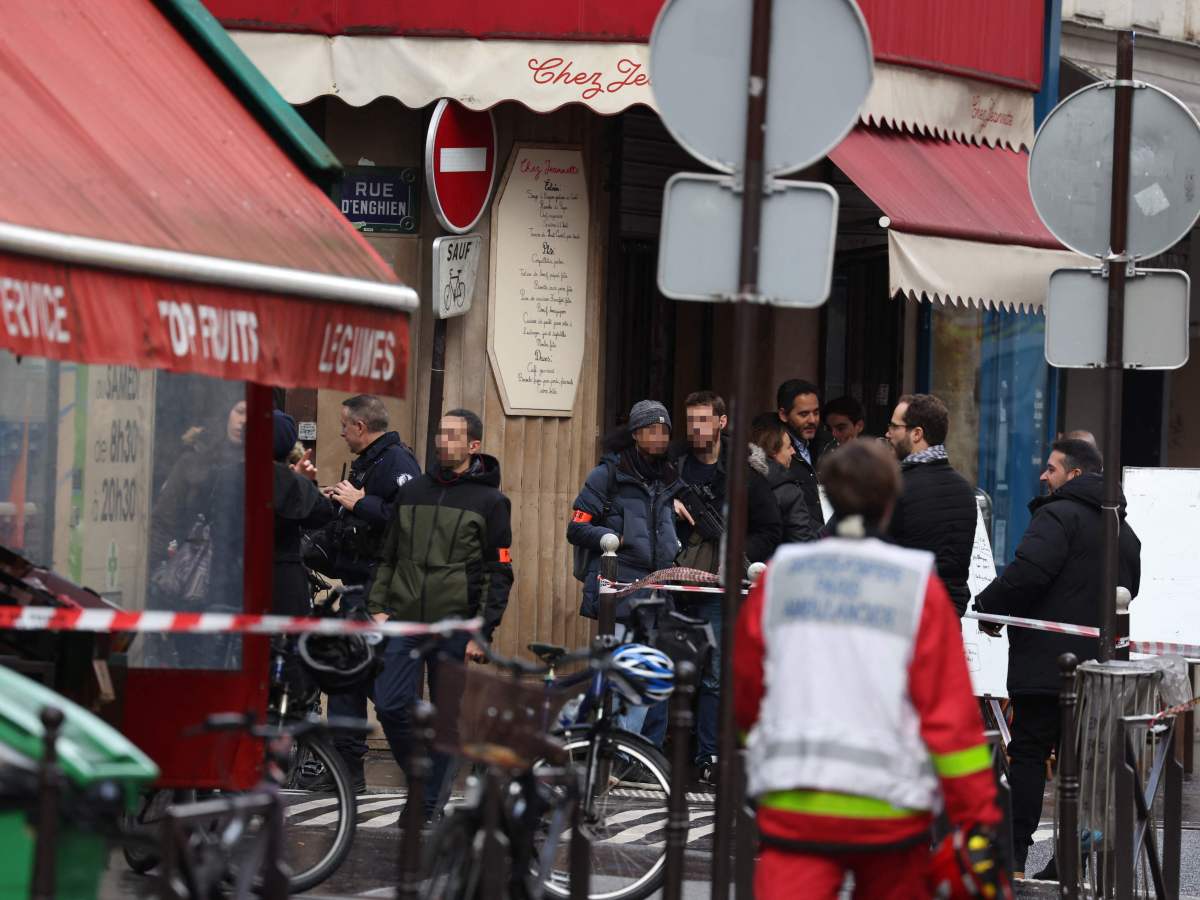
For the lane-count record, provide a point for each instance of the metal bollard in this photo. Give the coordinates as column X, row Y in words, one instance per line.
column 580, row 859
column 1067, row 851
column 274, row 874
column 420, row 765
column 677, row 809
column 608, row 571
column 745, row 839
column 46, row 852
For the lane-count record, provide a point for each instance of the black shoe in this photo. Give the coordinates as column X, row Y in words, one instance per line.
column 314, row 776
column 706, row 770
column 1049, row 872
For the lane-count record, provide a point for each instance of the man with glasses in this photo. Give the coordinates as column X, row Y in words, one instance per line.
column 936, row 509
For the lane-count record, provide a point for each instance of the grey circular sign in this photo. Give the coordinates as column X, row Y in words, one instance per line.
column 1070, row 171
column 820, row 72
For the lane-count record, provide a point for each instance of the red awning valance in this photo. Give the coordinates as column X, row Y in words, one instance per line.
column 146, row 218
column 962, row 224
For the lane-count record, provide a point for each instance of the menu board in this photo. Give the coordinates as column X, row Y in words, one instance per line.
column 537, row 312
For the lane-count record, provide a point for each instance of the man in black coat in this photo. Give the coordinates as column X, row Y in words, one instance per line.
column 936, row 510
column 361, row 508
column 702, row 468
column 799, row 407
column 1055, row 576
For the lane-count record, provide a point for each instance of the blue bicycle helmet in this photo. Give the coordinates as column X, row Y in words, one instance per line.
column 643, row 675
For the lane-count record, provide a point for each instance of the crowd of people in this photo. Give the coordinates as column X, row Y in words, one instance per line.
column 421, row 546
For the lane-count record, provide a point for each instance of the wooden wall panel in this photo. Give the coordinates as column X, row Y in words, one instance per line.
column 543, row 459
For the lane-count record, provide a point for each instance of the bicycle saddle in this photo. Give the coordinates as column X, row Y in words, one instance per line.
column 548, row 653
column 678, row 618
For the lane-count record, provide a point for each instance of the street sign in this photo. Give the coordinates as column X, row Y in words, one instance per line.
column 698, row 252
column 1156, row 319
column 1071, row 177
column 460, row 164
column 820, row 72
column 381, row 200
column 455, row 265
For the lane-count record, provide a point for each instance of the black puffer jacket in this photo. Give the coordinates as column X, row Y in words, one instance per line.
column 640, row 513
column 1057, row 576
column 936, row 511
column 805, row 475
column 789, row 497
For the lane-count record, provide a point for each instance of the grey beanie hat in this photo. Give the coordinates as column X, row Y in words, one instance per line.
column 648, row 412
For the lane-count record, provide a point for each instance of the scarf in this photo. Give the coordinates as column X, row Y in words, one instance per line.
column 646, row 469
column 929, row 454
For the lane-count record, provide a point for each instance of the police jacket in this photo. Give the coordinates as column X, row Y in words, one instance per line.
column 640, row 512
column 354, row 537
column 447, row 551
column 1057, row 576
column 936, row 511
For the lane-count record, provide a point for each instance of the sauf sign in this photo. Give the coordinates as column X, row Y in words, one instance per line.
column 455, row 264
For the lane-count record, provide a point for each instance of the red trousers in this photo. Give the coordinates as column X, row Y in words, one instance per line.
column 888, row 875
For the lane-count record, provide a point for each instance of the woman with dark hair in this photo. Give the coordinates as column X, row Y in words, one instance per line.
column 771, row 453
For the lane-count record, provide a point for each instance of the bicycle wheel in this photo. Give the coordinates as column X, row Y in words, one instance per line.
column 451, row 867
column 624, row 819
column 319, row 824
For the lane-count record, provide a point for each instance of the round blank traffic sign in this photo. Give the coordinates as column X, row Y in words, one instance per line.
column 820, row 72
column 1070, row 171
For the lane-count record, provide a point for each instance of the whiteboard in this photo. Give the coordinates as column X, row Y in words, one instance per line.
column 1164, row 512
column 987, row 657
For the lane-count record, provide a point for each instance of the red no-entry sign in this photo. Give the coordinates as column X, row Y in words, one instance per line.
column 460, row 164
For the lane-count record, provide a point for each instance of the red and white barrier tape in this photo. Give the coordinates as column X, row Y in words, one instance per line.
column 1150, row 648
column 1036, row 624
column 50, row 618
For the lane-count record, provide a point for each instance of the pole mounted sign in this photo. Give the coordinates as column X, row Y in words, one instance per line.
column 460, row 164
column 455, row 265
column 820, row 69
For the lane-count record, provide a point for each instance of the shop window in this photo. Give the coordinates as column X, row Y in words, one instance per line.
column 110, row 473
column 1017, row 414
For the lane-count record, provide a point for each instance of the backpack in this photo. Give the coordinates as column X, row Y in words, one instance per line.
column 583, row 556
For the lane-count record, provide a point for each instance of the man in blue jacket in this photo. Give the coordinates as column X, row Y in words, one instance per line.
column 631, row 494
column 362, row 507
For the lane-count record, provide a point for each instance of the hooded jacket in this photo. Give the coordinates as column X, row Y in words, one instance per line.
column 447, row 551
column 640, row 513
column 1057, row 576
column 936, row 511
column 763, row 526
column 798, row 525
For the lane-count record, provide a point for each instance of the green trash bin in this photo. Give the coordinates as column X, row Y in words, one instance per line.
column 103, row 774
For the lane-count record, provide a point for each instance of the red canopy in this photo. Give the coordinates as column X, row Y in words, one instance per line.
column 945, row 188
column 146, row 217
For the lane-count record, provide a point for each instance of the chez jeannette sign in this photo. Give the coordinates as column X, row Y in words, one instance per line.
column 381, row 200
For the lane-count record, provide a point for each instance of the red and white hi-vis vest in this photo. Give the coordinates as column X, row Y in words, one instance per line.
column 839, row 622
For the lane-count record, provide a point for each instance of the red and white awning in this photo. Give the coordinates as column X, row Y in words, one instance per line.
column 147, row 219
column 606, row 77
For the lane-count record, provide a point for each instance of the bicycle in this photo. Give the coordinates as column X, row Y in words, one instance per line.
column 315, row 847
column 239, row 840
column 505, row 725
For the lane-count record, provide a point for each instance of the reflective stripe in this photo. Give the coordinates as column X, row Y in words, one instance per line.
column 962, row 762
column 821, row 803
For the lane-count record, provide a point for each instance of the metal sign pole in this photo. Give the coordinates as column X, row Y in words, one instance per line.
column 745, row 321
column 1114, row 362
column 437, row 378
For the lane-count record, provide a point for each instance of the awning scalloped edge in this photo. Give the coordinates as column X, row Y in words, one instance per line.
column 917, row 129
column 985, row 303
